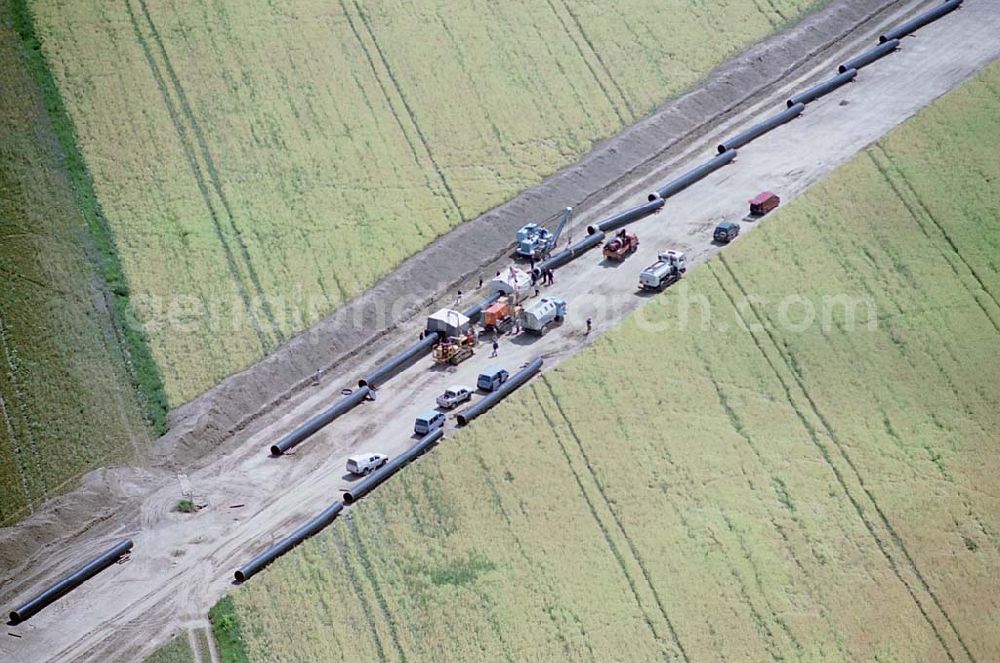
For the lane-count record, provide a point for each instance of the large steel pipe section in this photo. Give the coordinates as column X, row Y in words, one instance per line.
column 571, row 253
column 822, row 89
column 400, row 361
column 628, row 216
column 687, row 179
column 505, row 389
column 312, row 426
column 869, row 56
column 70, row 582
column 920, row 21
column 761, row 128
column 311, row 528
column 372, row 482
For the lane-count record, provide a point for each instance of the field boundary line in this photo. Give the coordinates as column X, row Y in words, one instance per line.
column 614, row 516
column 406, row 104
column 884, row 171
column 20, row 403
column 893, row 534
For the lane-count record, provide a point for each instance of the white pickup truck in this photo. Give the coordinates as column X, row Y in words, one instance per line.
column 668, row 268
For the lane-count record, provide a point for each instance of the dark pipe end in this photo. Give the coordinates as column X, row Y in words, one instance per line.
column 592, row 230
column 881, row 39
column 461, row 420
column 362, row 383
column 790, row 103
column 239, row 576
column 275, row 450
column 721, row 148
column 537, row 271
column 14, row 618
column 841, row 69
column 653, row 196
column 348, row 498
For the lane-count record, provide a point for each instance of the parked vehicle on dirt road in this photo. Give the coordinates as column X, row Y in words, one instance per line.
column 366, row 463
column 492, row 378
column 428, row 421
column 622, row 245
column 763, row 202
column 536, row 242
column 726, row 232
column 668, row 268
column 543, row 314
column 454, row 395
column 499, row 317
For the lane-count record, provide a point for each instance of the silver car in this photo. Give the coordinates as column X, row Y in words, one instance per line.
column 454, row 395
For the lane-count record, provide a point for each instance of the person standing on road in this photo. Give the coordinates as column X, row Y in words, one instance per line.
column 589, row 324
column 496, row 346
column 458, row 298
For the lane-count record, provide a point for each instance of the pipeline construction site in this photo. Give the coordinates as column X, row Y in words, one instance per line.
column 251, row 469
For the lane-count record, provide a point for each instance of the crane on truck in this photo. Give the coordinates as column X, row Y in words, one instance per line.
column 668, row 268
column 536, row 242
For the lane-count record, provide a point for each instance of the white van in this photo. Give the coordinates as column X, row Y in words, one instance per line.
column 366, row 463
column 428, row 421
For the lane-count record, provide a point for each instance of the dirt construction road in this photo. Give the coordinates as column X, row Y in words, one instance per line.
column 182, row 564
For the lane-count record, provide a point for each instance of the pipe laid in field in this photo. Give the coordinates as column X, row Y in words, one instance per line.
column 822, row 89
column 687, row 179
column 311, row 528
column 761, row 128
column 628, row 216
column 869, row 56
column 312, row 426
column 473, row 312
column 400, row 361
column 570, row 253
column 502, row 392
column 920, row 21
column 370, row 483
column 70, row 582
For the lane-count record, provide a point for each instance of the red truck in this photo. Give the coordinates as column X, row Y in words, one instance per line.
column 621, row 245
column 763, row 203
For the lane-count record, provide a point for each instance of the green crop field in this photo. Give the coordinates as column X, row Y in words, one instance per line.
column 66, row 400
column 260, row 163
column 807, row 470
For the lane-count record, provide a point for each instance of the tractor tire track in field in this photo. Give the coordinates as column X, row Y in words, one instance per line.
column 593, row 72
column 352, row 578
column 913, row 203
column 383, row 607
column 401, row 96
column 893, row 536
column 213, row 174
column 597, row 56
column 607, row 502
column 192, row 158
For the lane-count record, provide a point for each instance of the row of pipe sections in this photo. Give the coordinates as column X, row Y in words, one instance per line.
column 371, row 482
column 847, row 72
column 70, row 582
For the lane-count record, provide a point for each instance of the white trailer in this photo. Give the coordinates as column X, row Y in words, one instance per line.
column 668, row 268
column 543, row 314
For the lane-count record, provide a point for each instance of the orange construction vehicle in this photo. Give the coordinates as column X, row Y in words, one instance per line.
column 623, row 244
column 454, row 350
column 499, row 317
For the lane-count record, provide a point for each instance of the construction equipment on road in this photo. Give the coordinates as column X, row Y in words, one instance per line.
column 543, row 314
column 536, row 242
column 668, row 268
column 622, row 245
column 456, row 349
column 763, row 203
column 500, row 317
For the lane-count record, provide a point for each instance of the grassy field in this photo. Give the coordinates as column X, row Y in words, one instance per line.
column 260, row 163
column 67, row 402
column 769, row 488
